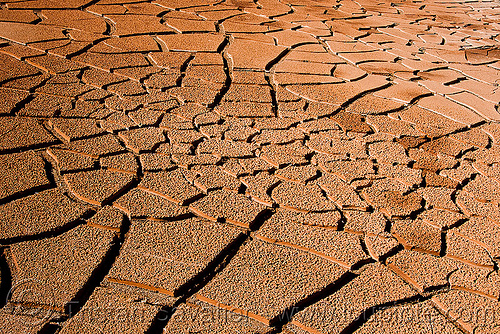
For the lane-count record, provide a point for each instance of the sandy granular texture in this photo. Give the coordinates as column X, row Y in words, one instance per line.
column 239, row 166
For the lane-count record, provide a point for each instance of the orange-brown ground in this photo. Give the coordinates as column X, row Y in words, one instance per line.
column 237, row 166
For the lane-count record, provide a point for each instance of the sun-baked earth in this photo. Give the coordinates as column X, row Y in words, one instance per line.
column 265, row 166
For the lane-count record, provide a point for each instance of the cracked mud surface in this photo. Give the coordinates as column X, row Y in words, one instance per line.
column 266, row 166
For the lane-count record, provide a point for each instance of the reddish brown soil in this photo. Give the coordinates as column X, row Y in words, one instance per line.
column 249, row 166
